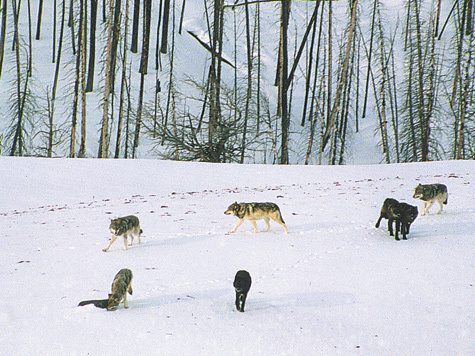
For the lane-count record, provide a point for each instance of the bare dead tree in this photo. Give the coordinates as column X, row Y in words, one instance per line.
column 92, row 48
column 135, row 27
column 108, row 87
column 122, row 98
column 3, row 33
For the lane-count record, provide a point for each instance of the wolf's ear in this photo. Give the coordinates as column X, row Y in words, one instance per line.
column 109, row 295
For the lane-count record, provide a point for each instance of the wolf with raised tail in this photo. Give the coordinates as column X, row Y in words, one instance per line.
column 429, row 193
column 125, row 227
column 255, row 211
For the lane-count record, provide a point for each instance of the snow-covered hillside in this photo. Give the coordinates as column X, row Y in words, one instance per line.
column 335, row 285
column 362, row 146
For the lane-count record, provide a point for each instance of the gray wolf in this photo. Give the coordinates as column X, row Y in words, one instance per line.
column 125, row 226
column 121, row 285
column 255, row 211
column 242, row 284
column 429, row 193
column 404, row 215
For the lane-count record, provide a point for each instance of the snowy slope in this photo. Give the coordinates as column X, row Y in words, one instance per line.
column 362, row 146
column 334, row 285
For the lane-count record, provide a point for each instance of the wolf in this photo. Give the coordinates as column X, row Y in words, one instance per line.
column 255, row 211
column 404, row 215
column 429, row 193
column 242, row 284
column 125, row 226
column 121, row 285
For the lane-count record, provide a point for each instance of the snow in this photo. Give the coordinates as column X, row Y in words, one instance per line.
column 335, row 285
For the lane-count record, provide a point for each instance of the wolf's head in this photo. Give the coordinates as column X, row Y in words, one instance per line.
column 113, row 302
column 115, row 226
column 409, row 213
column 419, row 192
column 233, row 209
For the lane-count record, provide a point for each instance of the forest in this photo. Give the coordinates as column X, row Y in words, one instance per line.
column 242, row 81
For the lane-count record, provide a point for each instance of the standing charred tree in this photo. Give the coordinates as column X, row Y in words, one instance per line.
column 122, row 84
column 92, row 48
column 214, row 84
column 3, row 33
column 108, row 87
column 51, row 130
column 282, row 78
column 166, row 16
column 82, row 50
column 38, row 23
column 143, row 70
column 79, row 86
column 249, row 80
column 135, row 27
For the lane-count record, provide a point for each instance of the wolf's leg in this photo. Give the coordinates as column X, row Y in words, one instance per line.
column 131, row 235
column 285, row 228
column 427, row 205
column 398, row 225
column 379, row 221
column 113, row 238
column 253, row 222
column 237, row 302
column 125, row 242
column 390, row 227
column 278, row 220
column 237, row 225
column 126, row 304
column 243, row 302
column 266, row 219
column 441, row 206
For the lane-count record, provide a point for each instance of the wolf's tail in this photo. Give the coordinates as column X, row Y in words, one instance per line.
column 98, row 303
column 280, row 215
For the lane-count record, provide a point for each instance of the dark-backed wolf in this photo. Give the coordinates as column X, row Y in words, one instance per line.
column 429, row 193
column 404, row 215
column 126, row 226
column 121, row 285
column 255, row 211
column 242, row 284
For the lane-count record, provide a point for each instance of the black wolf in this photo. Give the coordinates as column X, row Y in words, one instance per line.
column 242, row 284
column 126, row 226
column 255, row 211
column 404, row 215
column 430, row 193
